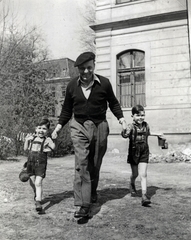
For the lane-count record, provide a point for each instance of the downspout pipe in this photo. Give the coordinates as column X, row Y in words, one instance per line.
column 188, row 5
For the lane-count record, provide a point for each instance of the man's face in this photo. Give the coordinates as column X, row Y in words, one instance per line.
column 86, row 70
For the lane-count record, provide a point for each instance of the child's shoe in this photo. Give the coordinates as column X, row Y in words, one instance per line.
column 38, row 206
column 145, row 200
column 132, row 189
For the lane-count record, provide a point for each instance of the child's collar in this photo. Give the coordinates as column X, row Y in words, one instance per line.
column 138, row 125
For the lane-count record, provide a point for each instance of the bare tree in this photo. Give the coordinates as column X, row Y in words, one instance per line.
column 87, row 35
column 23, row 94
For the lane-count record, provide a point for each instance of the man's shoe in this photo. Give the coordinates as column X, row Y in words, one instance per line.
column 83, row 212
column 38, row 206
column 132, row 189
column 145, row 200
column 94, row 198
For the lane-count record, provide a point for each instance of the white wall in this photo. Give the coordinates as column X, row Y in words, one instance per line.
column 167, row 62
column 109, row 10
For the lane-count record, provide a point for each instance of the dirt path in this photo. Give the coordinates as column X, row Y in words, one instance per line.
column 116, row 216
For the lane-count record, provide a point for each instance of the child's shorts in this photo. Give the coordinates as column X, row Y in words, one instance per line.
column 37, row 164
column 140, row 154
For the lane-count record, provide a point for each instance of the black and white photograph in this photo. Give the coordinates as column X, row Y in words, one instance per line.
column 95, row 109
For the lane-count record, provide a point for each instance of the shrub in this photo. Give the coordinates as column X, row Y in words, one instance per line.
column 64, row 143
column 7, row 148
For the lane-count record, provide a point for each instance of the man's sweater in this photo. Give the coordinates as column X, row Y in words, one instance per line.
column 94, row 108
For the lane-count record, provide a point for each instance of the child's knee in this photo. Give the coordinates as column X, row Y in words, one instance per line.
column 143, row 175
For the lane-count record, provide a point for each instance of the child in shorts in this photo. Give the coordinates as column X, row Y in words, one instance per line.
column 38, row 145
column 138, row 155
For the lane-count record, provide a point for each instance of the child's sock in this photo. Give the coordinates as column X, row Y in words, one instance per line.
column 144, row 192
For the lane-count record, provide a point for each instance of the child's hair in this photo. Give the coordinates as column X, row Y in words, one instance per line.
column 137, row 109
column 44, row 121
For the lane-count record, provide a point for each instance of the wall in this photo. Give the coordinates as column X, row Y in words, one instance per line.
column 167, row 65
column 108, row 10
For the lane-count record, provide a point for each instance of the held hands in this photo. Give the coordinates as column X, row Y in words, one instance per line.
column 126, row 132
column 54, row 134
column 124, row 125
column 56, row 131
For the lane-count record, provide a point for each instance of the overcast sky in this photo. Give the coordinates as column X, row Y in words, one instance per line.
column 58, row 20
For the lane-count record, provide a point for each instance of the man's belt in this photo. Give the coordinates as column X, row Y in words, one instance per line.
column 90, row 117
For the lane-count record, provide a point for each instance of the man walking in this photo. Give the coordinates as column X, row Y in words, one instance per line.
column 87, row 99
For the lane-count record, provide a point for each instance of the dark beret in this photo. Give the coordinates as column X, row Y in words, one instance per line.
column 84, row 57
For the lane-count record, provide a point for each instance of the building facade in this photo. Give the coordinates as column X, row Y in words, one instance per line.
column 57, row 75
column 143, row 47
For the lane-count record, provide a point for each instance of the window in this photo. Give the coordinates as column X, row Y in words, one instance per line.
column 131, row 78
column 65, row 72
column 54, row 73
column 63, row 90
column 53, row 91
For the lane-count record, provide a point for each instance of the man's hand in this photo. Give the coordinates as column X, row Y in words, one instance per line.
column 54, row 134
column 56, row 130
column 126, row 132
column 123, row 123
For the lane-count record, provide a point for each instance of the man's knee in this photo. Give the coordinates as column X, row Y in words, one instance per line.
column 84, row 174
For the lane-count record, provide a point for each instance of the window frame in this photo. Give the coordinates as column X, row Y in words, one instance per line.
column 53, row 91
column 134, row 89
column 126, row 1
column 63, row 91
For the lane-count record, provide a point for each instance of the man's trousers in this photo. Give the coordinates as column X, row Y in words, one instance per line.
column 90, row 145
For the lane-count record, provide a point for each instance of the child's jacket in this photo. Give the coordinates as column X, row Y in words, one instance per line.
column 138, row 143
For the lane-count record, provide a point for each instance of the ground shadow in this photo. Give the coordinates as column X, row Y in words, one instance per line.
column 104, row 196
column 111, row 194
column 56, row 198
column 152, row 190
column 117, row 193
